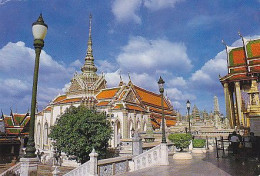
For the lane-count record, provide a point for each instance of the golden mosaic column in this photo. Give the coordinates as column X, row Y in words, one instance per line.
column 228, row 104
column 239, row 118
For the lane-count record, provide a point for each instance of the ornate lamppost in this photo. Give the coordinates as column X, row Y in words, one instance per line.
column 161, row 90
column 39, row 30
column 188, row 108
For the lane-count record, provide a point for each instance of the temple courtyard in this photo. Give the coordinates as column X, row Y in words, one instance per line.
column 203, row 164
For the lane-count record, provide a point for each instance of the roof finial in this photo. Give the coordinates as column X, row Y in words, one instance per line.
column 121, row 80
column 129, row 77
column 2, row 114
column 224, row 43
column 240, row 35
column 11, row 113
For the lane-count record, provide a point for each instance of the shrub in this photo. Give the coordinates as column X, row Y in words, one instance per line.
column 180, row 140
column 199, row 143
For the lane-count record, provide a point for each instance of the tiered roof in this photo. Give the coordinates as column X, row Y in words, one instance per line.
column 134, row 98
column 16, row 124
column 243, row 62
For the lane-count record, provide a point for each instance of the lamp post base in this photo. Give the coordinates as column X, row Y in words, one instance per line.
column 29, row 166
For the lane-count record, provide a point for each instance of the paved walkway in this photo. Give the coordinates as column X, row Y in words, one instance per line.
column 202, row 164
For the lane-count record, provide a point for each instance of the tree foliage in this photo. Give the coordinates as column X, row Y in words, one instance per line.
column 79, row 130
column 180, row 140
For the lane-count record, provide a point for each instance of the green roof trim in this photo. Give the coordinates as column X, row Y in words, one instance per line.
column 9, row 121
column 249, row 48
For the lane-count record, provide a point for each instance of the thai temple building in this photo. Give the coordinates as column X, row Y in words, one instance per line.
column 14, row 131
column 128, row 106
column 241, row 87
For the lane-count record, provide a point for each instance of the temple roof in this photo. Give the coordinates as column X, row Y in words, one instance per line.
column 15, row 123
column 243, row 62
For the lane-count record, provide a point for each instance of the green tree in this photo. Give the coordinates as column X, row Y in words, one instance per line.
column 79, row 130
column 180, row 140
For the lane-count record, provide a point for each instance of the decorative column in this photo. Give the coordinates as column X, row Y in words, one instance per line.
column 239, row 117
column 93, row 163
column 232, row 107
column 125, row 125
column 228, row 105
column 137, row 147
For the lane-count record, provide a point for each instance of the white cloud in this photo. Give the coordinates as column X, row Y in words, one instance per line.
column 177, row 95
column 16, row 72
column 178, row 82
column 76, row 64
column 160, row 4
column 2, row 2
column 142, row 55
column 106, row 66
column 126, row 10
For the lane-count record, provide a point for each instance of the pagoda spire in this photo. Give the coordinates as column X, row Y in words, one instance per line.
column 89, row 66
column 90, row 51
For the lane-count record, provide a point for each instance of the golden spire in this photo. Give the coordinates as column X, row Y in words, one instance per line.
column 89, row 65
column 89, row 51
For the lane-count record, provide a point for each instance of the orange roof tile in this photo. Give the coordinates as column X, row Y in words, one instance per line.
column 149, row 97
column 132, row 107
column 103, row 103
column 155, row 125
column 239, row 57
column 107, row 93
column 60, row 98
column 160, row 111
column 255, row 47
column 118, row 106
column 47, row 109
column 255, row 69
column 70, row 100
column 170, row 123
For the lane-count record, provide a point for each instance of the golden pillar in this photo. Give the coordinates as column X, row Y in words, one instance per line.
column 229, row 104
column 239, row 116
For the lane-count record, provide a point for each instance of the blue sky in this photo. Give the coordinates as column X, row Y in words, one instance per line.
column 177, row 39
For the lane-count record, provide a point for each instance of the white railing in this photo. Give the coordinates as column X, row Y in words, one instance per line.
column 83, row 169
column 155, row 156
column 14, row 169
column 89, row 168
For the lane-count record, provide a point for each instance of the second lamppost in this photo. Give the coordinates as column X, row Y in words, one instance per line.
column 39, row 29
column 161, row 89
column 188, row 108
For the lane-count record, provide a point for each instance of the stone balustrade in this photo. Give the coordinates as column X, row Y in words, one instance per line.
column 155, row 156
column 113, row 166
column 16, row 169
column 89, row 168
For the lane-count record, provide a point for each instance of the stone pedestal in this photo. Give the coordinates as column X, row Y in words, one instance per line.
column 29, row 166
column 137, row 147
column 164, row 154
column 93, row 163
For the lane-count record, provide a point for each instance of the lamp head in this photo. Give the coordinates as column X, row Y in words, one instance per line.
column 39, row 29
column 188, row 105
column 161, row 85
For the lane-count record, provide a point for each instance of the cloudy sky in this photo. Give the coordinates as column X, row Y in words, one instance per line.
column 177, row 39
